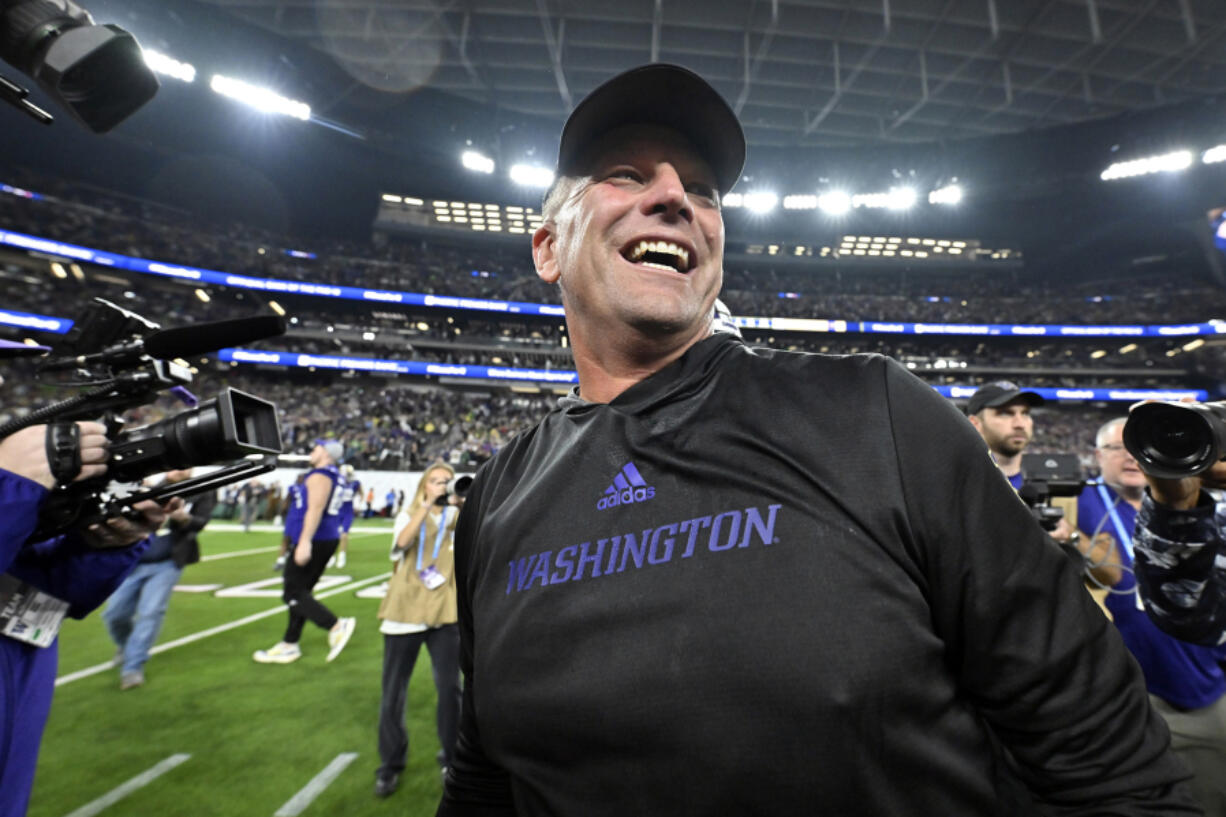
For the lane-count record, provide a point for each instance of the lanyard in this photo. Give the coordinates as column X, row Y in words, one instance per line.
column 1123, row 535
column 438, row 540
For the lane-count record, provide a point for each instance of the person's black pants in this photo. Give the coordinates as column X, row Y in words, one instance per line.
column 299, row 582
column 399, row 656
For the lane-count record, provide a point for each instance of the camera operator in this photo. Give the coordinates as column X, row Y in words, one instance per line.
column 69, row 574
column 1186, row 683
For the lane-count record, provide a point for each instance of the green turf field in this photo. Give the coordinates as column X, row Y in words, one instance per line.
column 256, row 734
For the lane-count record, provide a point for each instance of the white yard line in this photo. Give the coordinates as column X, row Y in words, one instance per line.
column 257, row 551
column 221, row 628
column 254, row 551
column 299, row 802
column 140, row 781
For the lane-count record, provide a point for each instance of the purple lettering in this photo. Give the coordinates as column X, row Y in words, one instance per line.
column 765, row 530
column 693, row 526
column 733, row 529
column 585, row 559
column 564, row 564
column 653, row 554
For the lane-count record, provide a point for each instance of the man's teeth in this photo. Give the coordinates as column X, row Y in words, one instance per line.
column 661, row 248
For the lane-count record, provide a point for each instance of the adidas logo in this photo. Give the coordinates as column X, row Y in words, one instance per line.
column 628, row 486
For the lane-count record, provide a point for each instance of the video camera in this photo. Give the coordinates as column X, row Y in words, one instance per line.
column 1176, row 440
column 1048, row 476
column 97, row 72
column 123, row 360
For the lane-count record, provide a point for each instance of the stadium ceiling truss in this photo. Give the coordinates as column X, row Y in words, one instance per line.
column 799, row 72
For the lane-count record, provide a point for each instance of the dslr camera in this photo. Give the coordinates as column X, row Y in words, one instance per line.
column 1176, row 440
column 122, row 360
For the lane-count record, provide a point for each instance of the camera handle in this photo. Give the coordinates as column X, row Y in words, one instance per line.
column 15, row 95
column 216, row 479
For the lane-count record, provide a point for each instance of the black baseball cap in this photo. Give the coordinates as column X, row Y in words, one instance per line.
column 660, row 94
column 997, row 394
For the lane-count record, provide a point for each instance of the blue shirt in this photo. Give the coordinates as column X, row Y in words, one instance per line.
column 330, row 523
column 1185, row 675
column 295, row 511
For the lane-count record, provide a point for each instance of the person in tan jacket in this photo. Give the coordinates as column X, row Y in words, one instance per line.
column 420, row 608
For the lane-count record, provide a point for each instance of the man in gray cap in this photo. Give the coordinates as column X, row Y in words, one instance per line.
column 724, row 580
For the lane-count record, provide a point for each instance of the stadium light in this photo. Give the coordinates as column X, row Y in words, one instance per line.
column 262, row 99
column 478, row 162
column 949, row 194
column 800, row 202
column 733, row 200
column 531, row 175
column 1213, row 155
column 1166, row 163
column 761, row 202
column 900, row 198
column 834, row 203
column 169, row 66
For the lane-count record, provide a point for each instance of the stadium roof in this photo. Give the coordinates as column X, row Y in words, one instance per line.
column 799, row 72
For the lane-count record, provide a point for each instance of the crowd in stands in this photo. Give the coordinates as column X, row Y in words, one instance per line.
column 823, row 290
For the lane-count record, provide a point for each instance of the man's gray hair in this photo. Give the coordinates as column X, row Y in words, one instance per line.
column 557, row 193
column 1100, row 439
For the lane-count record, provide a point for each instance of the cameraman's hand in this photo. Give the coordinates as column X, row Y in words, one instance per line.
column 121, row 531
column 25, row 453
column 1063, row 531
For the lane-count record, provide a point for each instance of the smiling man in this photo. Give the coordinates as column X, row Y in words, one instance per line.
column 723, row 580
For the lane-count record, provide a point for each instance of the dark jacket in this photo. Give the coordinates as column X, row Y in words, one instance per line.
column 184, row 548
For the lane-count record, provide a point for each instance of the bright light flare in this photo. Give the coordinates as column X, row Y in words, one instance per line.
column 949, row 194
column 262, row 99
column 1213, row 155
column 800, row 202
column 169, row 66
column 834, row 203
column 531, row 175
column 1166, row 163
column 761, row 202
column 479, row 162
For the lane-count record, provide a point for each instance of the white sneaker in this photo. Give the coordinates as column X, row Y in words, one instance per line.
column 340, row 559
column 339, row 636
column 331, row 563
column 279, row 653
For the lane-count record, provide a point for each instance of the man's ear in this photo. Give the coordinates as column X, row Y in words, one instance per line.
column 975, row 421
column 544, row 253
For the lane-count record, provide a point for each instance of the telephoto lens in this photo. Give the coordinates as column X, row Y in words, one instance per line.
column 1176, row 440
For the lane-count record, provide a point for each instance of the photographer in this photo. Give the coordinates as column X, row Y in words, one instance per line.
column 1186, row 683
column 78, row 569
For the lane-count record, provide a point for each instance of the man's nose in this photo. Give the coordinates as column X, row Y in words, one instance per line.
column 666, row 194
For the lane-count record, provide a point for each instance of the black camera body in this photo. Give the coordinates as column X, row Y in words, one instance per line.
column 118, row 358
column 1048, row 476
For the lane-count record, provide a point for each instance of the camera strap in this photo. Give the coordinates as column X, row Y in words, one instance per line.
column 64, row 451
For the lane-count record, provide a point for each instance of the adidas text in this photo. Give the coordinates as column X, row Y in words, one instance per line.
column 626, row 497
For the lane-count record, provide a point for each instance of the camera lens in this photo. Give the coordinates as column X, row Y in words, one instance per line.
column 1171, row 441
column 1179, row 439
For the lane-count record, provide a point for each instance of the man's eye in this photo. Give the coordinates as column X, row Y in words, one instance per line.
column 626, row 173
column 703, row 190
